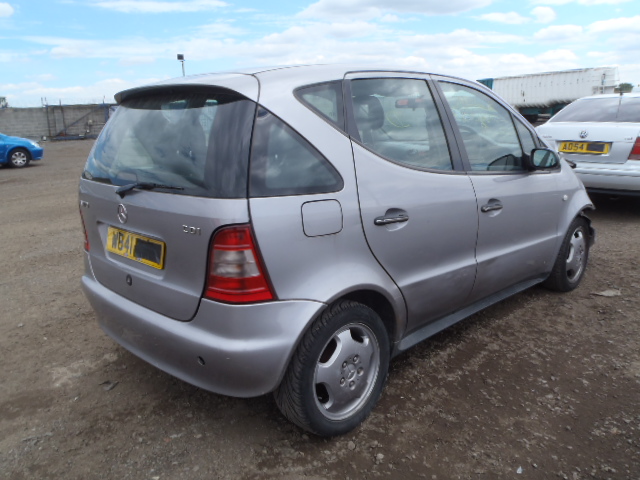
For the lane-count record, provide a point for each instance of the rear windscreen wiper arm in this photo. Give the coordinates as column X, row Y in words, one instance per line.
column 124, row 189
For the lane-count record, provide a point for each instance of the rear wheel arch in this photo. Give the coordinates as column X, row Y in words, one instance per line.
column 376, row 301
column 382, row 306
column 372, row 299
column 347, row 340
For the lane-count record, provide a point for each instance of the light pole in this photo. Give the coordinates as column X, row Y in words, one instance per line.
column 181, row 60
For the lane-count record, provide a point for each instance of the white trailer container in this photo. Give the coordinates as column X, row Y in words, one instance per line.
column 549, row 92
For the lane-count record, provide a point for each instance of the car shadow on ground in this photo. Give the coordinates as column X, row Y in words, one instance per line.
column 619, row 205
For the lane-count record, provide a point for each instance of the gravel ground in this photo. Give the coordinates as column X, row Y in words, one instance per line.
column 539, row 386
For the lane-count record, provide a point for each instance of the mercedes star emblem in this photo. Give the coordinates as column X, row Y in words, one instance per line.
column 122, row 213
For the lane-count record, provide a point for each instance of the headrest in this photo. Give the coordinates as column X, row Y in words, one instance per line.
column 368, row 112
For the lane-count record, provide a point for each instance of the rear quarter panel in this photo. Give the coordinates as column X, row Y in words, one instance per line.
column 321, row 268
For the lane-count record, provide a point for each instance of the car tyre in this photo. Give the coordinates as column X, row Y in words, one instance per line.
column 572, row 259
column 338, row 371
column 19, row 158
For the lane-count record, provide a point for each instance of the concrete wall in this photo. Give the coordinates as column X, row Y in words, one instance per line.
column 54, row 121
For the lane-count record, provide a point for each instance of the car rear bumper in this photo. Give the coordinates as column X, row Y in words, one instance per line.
column 235, row 350
column 623, row 177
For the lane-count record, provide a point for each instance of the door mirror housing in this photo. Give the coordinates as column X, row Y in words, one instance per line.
column 543, row 159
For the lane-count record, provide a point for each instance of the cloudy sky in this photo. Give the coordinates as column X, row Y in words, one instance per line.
column 80, row 51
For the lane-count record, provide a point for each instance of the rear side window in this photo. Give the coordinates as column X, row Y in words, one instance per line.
column 397, row 119
column 196, row 141
column 284, row 163
column 325, row 99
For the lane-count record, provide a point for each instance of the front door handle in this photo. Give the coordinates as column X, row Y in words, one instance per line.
column 393, row 218
column 490, row 207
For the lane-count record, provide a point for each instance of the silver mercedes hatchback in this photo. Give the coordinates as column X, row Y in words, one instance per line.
column 290, row 230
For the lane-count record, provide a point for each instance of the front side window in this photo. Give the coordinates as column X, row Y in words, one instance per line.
column 397, row 119
column 284, row 163
column 487, row 129
column 196, row 142
column 526, row 138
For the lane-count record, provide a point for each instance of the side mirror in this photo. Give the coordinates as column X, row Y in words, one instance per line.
column 543, row 159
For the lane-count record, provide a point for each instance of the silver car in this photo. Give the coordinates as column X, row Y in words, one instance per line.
column 601, row 135
column 290, row 230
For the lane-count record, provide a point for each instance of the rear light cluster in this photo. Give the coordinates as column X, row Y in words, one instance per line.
column 635, row 151
column 236, row 273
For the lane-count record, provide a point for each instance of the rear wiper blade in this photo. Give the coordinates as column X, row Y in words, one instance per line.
column 124, row 189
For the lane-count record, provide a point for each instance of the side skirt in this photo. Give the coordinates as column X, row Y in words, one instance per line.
column 432, row 328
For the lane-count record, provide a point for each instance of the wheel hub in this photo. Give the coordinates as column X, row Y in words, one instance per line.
column 350, row 372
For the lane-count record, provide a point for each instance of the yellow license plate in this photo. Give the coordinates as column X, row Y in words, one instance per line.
column 594, row 148
column 136, row 247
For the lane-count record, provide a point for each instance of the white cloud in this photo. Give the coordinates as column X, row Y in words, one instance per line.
column 621, row 35
column 555, row 56
column 389, row 18
column 44, row 77
column 413, row 62
column 462, row 38
column 391, row 39
column 544, row 14
column 32, row 93
column 539, row 14
column 616, row 25
column 6, row 57
column 581, row 2
column 6, row 10
column 520, row 64
column 559, row 33
column 128, row 51
column 9, row 87
column 630, row 73
column 367, row 9
column 510, row 18
column 133, row 60
column 221, row 29
column 159, row 6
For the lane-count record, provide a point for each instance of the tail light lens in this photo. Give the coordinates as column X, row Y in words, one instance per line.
column 86, row 236
column 635, row 151
column 236, row 273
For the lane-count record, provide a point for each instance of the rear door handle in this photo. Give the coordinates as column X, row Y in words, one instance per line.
column 393, row 218
column 490, row 207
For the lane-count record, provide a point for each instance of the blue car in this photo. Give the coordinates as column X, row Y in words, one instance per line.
column 18, row 152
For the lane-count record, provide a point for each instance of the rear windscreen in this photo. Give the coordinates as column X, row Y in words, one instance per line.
column 607, row 109
column 195, row 142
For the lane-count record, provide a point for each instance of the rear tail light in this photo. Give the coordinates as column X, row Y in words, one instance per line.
column 236, row 273
column 635, row 151
column 84, row 229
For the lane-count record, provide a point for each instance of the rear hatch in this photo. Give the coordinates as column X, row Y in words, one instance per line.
column 591, row 141
column 168, row 170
